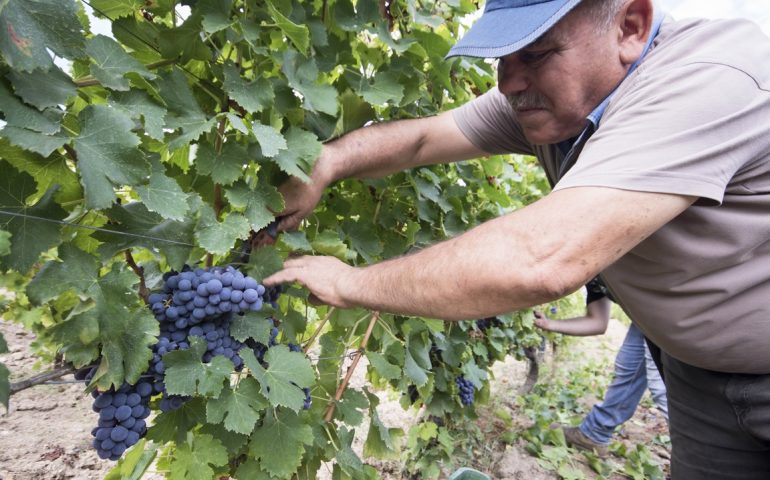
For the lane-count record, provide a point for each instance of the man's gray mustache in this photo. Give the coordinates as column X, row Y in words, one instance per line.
column 526, row 101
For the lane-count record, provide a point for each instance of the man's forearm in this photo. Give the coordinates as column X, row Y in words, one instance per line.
column 381, row 149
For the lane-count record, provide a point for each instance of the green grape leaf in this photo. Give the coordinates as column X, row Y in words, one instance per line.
column 175, row 425
column 216, row 14
column 381, row 441
column 296, row 241
column 108, row 156
column 224, row 167
column 282, row 380
column 298, row 34
column 384, row 368
column 137, row 103
column 349, row 408
column 185, row 41
column 183, row 110
column 363, row 239
column 5, row 385
column 280, row 442
column 328, row 243
column 259, row 204
column 18, row 114
column 385, row 88
column 77, row 270
column 254, row 96
column 220, row 237
column 270, row 140
column 163, row 195
column 126, row 330
column 33, row 141
column 346, row 458
column 232, row 441
column 113, row 9
column 30, row 29
column 43, row 89
column 187, row 375
column 135, row 462
column 302, row 75
column 31, row 237
column 474, row 374
column 112, row 63
column 300, row 156
column 264, row 262
column 252, row 470
column 354, row 113
column 238, row 408
column 254, row 325
column 417, row 361
column 5, row 244
column 135, row 226
column 192, row 459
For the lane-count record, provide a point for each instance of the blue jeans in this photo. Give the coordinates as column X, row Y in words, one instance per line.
column 634, row 372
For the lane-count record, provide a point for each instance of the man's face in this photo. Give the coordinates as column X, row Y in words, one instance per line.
column 555, row 82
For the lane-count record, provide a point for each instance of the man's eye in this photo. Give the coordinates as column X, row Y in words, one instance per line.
column 533, row 58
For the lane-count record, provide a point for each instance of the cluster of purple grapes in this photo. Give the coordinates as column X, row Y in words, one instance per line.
column 122, row 415
column 466, row 390
column 485, row 324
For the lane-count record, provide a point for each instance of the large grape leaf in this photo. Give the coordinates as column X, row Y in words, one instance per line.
column 163, row 195
column 113, row 9
column 417, row 362
column 5, row 243
column 126, row 328
column 270, row 140
column 350, row 408
column 183, row 110
column 280, row 442
column 34, row 141
column 254, row 325
column 31, row 236
column 32, row 27
column 135, row 226
column 298, row 34
column 287, row 372
column 137, row 103
column 20, row 115
column 108, row 156
column 381, row 441
column 187, row 375
column 77, row 270
column 220, row 237
column 216, row 14
column 174, row 425
column 385, row 88
column 259, row 204
column 239, row 407
column 346, row 458
column 300, row 156
column 254, row 96
column 47, row 172
column 302, row 75
column 192, row 460
column 383, row 367
column 43, row 88
column 112, row 63
column 185, row 41
column 224, row 167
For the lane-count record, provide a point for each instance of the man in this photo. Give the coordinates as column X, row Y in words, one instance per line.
column 662, row 184
column 635, row 371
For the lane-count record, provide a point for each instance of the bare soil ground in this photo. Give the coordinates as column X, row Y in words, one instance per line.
column 45, row 434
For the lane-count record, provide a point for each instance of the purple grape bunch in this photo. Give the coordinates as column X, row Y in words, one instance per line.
column 192, row 303
column 466, row 390
column 122, row 415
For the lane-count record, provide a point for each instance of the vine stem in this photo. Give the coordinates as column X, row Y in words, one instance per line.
column 352, row 368
column 317, row 332
column 144, row 292
column 39, row 379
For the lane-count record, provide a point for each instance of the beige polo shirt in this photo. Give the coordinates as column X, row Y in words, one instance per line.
column 693, row 119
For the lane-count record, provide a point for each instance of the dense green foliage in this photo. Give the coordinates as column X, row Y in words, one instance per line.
column 163, row 144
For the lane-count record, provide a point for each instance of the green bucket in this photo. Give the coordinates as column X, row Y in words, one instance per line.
column 468, row 474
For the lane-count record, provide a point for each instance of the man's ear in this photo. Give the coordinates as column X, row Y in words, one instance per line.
column 634, row 27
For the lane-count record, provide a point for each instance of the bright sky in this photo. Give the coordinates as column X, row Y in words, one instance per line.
column 756, row 10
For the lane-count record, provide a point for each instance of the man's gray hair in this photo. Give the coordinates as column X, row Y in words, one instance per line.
column 603, row 12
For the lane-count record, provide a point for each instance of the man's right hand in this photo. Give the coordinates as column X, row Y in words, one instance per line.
column 300, row 198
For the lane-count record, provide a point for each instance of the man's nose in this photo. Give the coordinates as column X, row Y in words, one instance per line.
column 512, row 75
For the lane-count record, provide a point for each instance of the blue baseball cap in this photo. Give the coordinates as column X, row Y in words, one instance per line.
column 508, row 25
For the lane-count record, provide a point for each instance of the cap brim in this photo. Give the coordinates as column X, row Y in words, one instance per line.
column 506, row 30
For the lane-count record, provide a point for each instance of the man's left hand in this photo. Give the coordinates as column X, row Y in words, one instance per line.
column 323, row 276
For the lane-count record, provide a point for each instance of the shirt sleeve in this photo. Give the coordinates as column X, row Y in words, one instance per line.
column 687, row 130
column 490, row 124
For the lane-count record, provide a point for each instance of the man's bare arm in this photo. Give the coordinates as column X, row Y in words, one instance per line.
column 376, row 151
column 534, row 255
